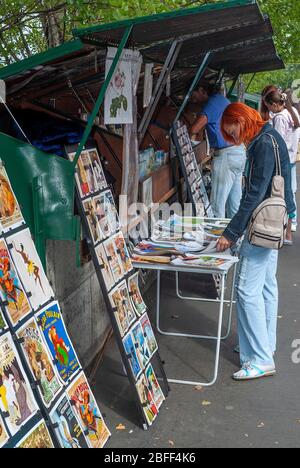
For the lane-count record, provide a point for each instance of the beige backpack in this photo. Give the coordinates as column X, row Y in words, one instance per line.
column 269, row 221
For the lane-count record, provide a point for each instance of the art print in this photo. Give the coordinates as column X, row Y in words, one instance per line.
column 51, row 324
column 149, row 407
column 126, row 303
column 30, row 268
column 101, row 215
column 37, row 438
column 135, row 295
column 16, row 397
column 108, row 212
column 117, row 302
column 154, row 386
column 88, row 413
column 84, row 175
column 66, row 426
column 132, row 356
column 99, row 176
column 114, row 260
column 142, row 349
column 4, row 437
column 10, row 213
column 123, row 253
column 149, row 335
column 90, row 212
column 105, row 268
column 39, row 362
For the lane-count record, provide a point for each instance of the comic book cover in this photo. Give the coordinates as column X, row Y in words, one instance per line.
column 148, row 332
column 132, row 356
column 97, row 169
column 90, row 212
column 105, row 268
column 135, row 295
column 123, row 252
column 140, row 342
column 29, row 268
column 4, row 437
column 154, row 386
column 39, row 361
column 101, row 215
column 116, row 301
column 37, row 438
column 11, row 290
column 66, row 425
column 58, row 342
column 113, row 258
column 146, row 398
column 88, row 413
column 127, row 304
column 10, row 213
column 16, row 397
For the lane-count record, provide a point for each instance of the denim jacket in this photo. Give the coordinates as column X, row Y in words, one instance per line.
column 258, row 186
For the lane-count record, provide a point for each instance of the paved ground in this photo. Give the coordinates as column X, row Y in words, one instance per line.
column 261, row 414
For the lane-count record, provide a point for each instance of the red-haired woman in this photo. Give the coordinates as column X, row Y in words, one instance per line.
column 257, row 289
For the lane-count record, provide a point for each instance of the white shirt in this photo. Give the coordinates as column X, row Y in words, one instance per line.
column 284, row 124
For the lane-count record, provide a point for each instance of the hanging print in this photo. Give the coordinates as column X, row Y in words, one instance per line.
column 39, row 362
column 67, row 428
column 37, row 438
column 88, row 413
column 16, row 397
column 123, row 253
column 90, row 212
column 140, row 342
column 11, row 290
column 99, row 176
column 58, row 342
column 114, row 260
column 30, row 269
column 132, row 356
column 154, row 387
column 10, row 213
column 149, row 335
column 84, row 174
column 126, row 303
column 135, row 295
column 146, row 398
column 116, row 300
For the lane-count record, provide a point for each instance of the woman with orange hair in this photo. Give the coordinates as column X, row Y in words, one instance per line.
column 257, row 289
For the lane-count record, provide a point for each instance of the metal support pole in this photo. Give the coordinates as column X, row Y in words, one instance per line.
column 232, row 86
column 250, row 82
column 101, row 96
column 197, row 78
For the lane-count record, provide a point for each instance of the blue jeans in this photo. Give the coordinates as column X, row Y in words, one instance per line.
column 294, row 188
column 227, row 173
column 257, row 304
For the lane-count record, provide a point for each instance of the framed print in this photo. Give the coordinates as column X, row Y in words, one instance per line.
column 123, row 253
column 135, row 295
column 114, row 259
column 105, row 267
column 146, row 398
column 154, row 387
column 84, row 174
column 107, row 213
column 37, row 438
column 10, row 213
column 90, row 212
column 132, row 356
column 149, row 335
column 117, row 302
column 126, row 303
column 101, row 215
column 99, row 176
column 140, row 342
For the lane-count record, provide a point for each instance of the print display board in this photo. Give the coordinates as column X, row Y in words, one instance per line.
column 38, row 362
column 119, row 283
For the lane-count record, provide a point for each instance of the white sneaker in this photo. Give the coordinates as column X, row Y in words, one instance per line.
column 294, row 228
column 251, row 371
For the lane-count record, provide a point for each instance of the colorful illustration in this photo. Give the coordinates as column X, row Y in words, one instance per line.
column 67, row 428
column 142, row 350
column 114, row 260
column 51, row 323
column 154, row 386
column 149, row 335
column 123, row 252
column 37, row 438
column 88, row 412
column 4, row 437
column 126, row 303
column 146, row 398
column 90, row 212
column 132, row 356
column 39, row 362
column 135, row 295
column 97, row 169
column 11, row 289
column 10, row 213
column 111, row 211
column 84, row 176
column 100, row 212
column 116, row 300
column 104, row 264
column 16, row 398
column 29, row 268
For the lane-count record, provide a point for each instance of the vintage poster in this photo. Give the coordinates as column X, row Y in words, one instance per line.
column 58, row 342
column 132, row 356
column 154, row 387
column 119, row 95
column 10, row 213
column 4, row 437
column 127, row 304
column 105, row 268
column 16, row 397
column 146, row 398
column 114, row 260
column 90, row 212
column 123, row 252
column 101, row 215
column 149, row 335
column 107, row 213
column 66, row 425
column 37, row 438
column 84, row 176
column 99, row 176
column 135, row 295
column 39, row 361
column 29, row 268
column 11, row 290
column 88, row 413
column 140, row 342
column 116, row 300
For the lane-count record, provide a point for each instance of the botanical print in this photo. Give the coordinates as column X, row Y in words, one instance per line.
column 88, row 413
column 11, row 290
column 90, row 212
column 39, row 361
column 132, row 356
column 58, row 342
column 97, row 169
column 105, row 268
column 116, row 300
column 154, row 386
column 123, row 253
column 135, row 295
column 30, row 269
column 149, row 335
column 37, row 438
column 10, row 213
column 16, row 398
column 66, row 425
column 126, row 303
column 114, row 260
column 4, row 437
column 146, row 398
column 142, row 349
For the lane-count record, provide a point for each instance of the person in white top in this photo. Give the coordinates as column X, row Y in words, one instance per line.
column 286, row 121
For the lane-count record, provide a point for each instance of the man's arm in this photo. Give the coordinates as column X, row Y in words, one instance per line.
column 198, row 126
